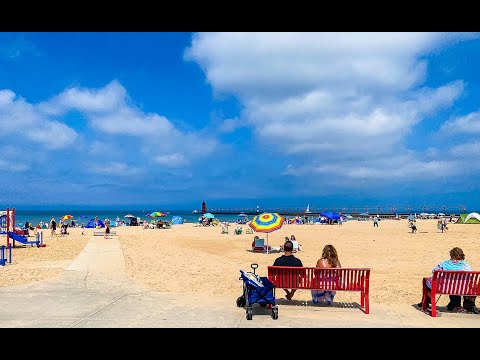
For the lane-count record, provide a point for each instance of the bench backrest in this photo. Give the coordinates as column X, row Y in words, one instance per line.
column 456, row 282
column 349, row 279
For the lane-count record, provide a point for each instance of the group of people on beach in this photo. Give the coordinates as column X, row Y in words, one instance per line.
column 329, row 259
column 442, row 225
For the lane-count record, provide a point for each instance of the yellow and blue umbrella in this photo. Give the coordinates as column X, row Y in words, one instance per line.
column 266, row 223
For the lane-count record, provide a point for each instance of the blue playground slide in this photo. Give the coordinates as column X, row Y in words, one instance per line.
column 22, row 239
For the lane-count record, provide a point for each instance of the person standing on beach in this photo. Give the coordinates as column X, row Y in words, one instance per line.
column 412, row 224
column 288, row 259
column 95, row 222
column 375, row 221
column 107, row 230
column 53, row 226
column 443, row 225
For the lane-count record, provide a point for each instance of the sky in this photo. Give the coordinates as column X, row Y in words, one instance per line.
column 169, row 120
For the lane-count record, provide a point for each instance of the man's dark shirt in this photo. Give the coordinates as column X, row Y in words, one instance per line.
column 288, row 261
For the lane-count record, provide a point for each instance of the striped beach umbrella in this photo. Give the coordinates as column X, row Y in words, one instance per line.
column 64, row 219
column 156, row 214
column 266, row 223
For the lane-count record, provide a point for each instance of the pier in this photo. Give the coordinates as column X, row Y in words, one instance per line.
column 383, row 212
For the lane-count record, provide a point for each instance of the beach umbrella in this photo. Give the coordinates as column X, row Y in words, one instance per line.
column 331, row 215
column 209, row 215
column 156, row 214
column 266, row 223
column 64, row 219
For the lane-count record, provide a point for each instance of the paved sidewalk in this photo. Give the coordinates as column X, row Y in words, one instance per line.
column 94, row 292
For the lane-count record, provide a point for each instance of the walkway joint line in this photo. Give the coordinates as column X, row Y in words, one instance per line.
column 398, row 315
column 99, row 310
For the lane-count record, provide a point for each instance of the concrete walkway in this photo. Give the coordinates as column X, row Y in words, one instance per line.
column 95, row 292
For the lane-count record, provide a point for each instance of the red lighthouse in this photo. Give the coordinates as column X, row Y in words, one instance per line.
column 204, row 207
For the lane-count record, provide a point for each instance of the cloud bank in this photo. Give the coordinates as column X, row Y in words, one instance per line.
column 343, row 105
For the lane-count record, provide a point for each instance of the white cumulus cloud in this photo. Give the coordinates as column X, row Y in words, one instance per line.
column 20, row 118
column 330, row 98
column 469, row 124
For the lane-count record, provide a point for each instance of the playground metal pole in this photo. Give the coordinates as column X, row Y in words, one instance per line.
column 13, row 225
column 8, row 226
column 2, row 255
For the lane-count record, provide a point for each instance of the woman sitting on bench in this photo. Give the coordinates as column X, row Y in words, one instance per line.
column 329, row 259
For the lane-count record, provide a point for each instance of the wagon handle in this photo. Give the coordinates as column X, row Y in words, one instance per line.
column 254, row 266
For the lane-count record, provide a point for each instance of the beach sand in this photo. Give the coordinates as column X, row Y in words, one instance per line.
column 190, row 259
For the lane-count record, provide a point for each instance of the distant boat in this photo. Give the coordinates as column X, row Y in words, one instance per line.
column 307, row 210
column 195, row 211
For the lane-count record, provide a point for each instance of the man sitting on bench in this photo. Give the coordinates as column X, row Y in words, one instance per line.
column 288, row 259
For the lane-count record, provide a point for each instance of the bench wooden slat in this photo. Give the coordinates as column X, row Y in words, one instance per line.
column 313, row 278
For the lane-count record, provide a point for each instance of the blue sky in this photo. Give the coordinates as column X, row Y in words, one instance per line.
column 240, row 119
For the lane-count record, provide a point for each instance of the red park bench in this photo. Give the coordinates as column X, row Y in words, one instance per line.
column 462, row 283
column 313, row 278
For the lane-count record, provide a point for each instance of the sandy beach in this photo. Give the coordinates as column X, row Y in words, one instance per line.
column 191, row 259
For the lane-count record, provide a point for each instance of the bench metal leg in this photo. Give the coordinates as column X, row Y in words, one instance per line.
column 433, row 302
column 424, row 294
column 364, row 303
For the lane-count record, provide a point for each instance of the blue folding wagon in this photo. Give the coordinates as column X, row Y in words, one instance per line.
column 257, row 290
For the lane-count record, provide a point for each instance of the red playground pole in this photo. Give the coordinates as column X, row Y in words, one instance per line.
column 10, row 224
column 8, row 227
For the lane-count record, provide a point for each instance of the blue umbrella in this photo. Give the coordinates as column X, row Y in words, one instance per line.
column 331, row 215
column 209, row 215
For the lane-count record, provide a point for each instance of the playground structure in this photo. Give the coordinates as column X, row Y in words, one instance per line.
column 7, row 227
column 5, row 255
